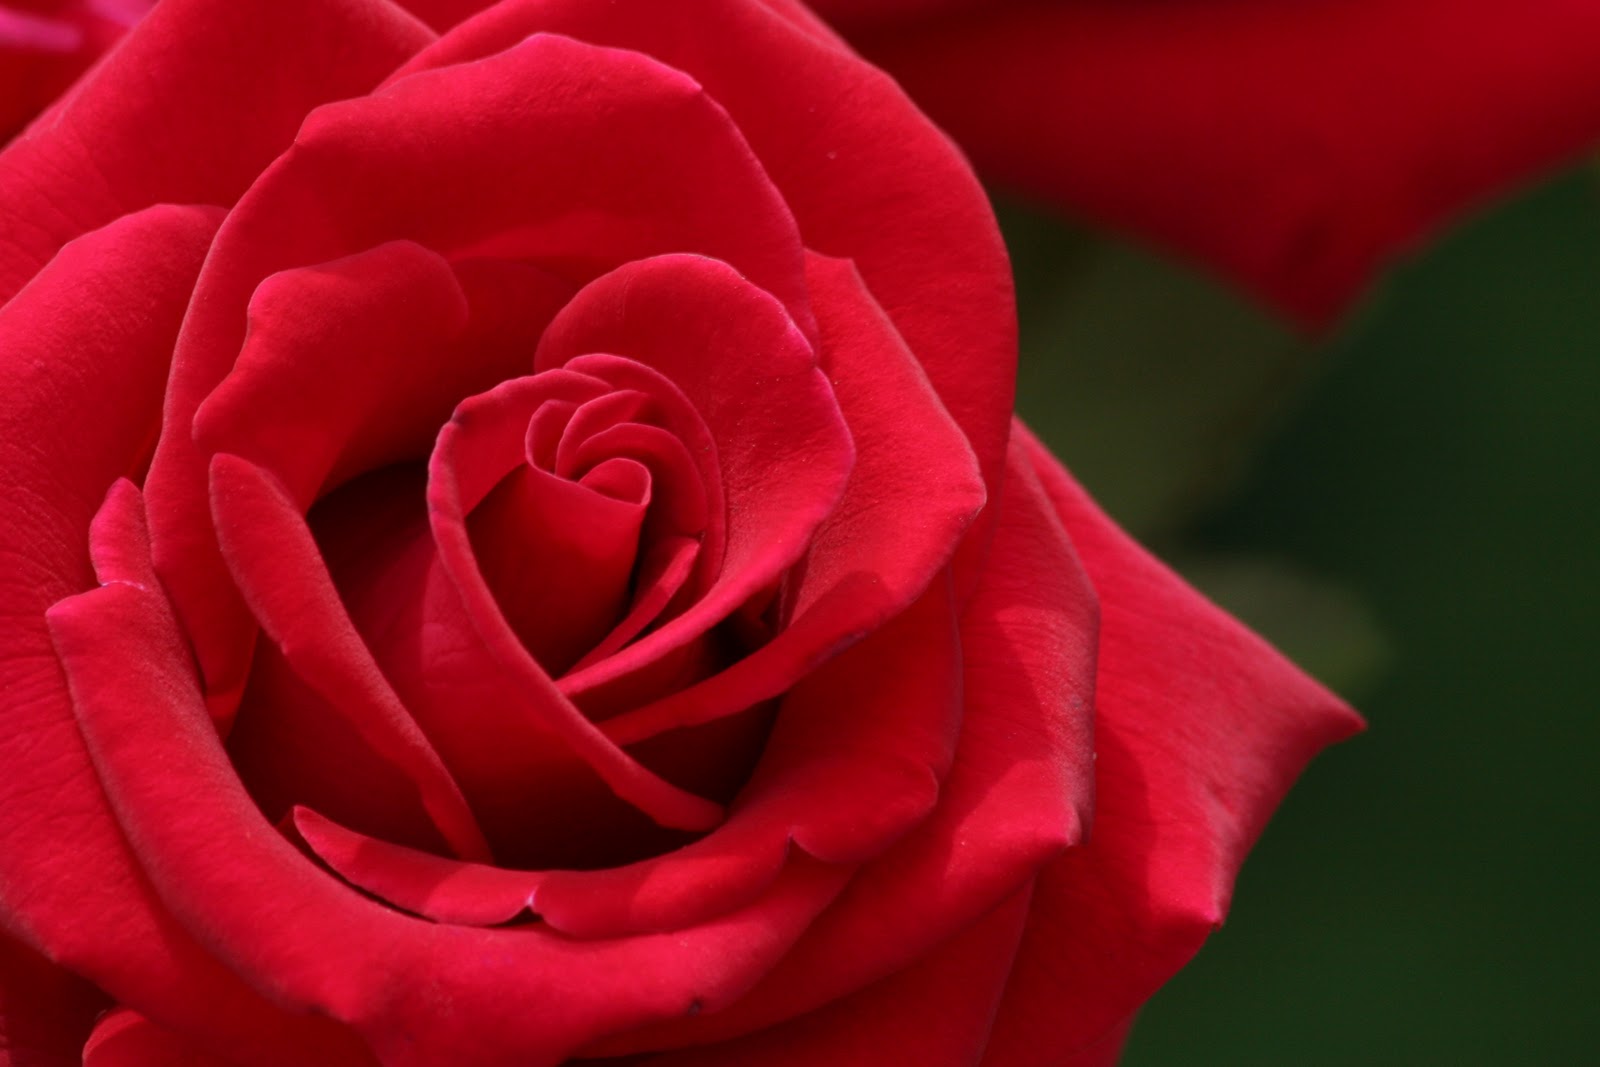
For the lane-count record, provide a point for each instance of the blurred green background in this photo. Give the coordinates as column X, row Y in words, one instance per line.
column 1411, row 509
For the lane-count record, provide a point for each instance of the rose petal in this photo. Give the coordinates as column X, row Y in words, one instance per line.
column 785, row 452
column 838, row 784
column 912, row 492
column 124, row 1038
column 84, row 388
column 159, row 122
column 469, row 459
column 559, row 556
column 843, row 144
column 1299, row 148
column 491, row 996
column 350, row 365
column 936, row 1013
column 281, row 574
column 1017, row 794
column 1200, row 729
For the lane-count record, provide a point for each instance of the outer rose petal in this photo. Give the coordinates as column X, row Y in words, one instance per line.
column 934, row 1014
column 1297, row 147
column 159, row 122
column 1200, row 729
column 83, row 353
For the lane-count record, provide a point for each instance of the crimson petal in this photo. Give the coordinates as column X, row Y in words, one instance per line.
column 1200, row 729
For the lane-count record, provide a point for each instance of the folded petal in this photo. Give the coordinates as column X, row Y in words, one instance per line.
column 784, row 448
column 1200, row 728
column 912, row 491
column 1018, row 793
column 491, row 996
column 275, row 561
column 837, row 784
column 84, row 390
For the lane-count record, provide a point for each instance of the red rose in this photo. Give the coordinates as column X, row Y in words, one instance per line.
column 517, row 549
column 1297, row 147
column 46, row 44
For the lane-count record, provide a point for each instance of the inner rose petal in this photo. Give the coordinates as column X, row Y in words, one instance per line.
column 559, row 555
column 575, row 523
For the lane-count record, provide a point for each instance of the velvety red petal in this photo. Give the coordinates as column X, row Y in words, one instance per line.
column 867, row 177
column 351, row 365
column 785, row 451
column 1200, row 728
column 936, row 1013
column 45, row 1013
column 281, row 574
column 493, row 730
column 840, row 785
column 1018, row 793
column 491, row 996
column 559, row 554
column 1298, row 148
column 525, row 178
column 159, row 122
column 469, row 459
column 85, row 350
column 346, row 366
column 913, row 490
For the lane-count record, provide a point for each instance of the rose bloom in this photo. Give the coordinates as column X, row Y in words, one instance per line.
column 516, row 550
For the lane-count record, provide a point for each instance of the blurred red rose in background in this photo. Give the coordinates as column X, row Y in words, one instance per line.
column 1296, row 147
column 518, row 549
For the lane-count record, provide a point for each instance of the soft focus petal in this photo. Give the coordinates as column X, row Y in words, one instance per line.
column 1297, row 147
column 44, row 47
column 1200, row 728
